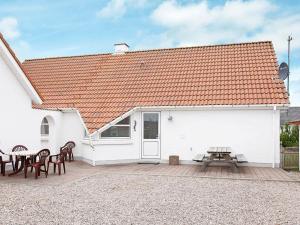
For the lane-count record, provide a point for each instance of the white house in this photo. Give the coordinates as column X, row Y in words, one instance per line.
column 129, row 106
column 19, row 122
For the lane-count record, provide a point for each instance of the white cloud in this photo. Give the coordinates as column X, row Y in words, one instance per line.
column 278, row 29
column 295, row 94
column 117, row 8
column 199, row 23
column 21, row 48
column 234, row 21
column 9, row 27
column 199, row 15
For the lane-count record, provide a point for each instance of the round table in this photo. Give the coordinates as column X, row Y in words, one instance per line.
column 23, row 155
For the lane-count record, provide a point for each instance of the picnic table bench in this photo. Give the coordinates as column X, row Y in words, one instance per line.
column 220, row 155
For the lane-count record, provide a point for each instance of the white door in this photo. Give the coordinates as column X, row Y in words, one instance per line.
column 151, row 135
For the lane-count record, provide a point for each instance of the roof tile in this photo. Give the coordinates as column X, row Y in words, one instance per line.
column 105, row 86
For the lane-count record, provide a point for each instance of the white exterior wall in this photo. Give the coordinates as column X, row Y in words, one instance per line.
column 248, row 132
column 72, row 129
column 19, row 123
column 115, row 150
column 252, row 132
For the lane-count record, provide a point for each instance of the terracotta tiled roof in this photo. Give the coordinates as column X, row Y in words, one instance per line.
column 18, row 62
column 295, row 122
column 103, row 87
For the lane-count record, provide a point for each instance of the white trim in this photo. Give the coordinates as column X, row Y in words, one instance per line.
column 45, row 138
column 118, row 125
column 82, row 121
column 20, row 75
column 118, row 119
column 216, row 107
column 273, row 137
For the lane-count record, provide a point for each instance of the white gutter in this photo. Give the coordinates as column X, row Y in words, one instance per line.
column 204, row 107
column 82, row 122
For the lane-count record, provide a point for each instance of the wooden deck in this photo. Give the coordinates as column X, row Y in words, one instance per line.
column 248, row 173
column 80, row 170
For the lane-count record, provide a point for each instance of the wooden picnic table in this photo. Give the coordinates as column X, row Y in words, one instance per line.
column 220, row 157
column 23, row 156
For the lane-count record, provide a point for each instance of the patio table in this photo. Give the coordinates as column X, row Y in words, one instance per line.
column 220, row 156
column 23, row 155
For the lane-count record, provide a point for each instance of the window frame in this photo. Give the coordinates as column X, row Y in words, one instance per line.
column 118, row 125
column 85, row 134
column 45, row 124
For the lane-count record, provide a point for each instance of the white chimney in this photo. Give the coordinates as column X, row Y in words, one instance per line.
column 121, row 48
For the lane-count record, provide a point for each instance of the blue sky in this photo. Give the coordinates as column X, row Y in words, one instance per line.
column 40, row 28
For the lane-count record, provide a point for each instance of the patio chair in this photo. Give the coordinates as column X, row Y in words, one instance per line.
column 37, row 162
column 4, row 162
column 18, row 148
column 58, row 160
column 69, row 145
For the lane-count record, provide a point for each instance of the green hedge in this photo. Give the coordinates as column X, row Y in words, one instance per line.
column 289, row 136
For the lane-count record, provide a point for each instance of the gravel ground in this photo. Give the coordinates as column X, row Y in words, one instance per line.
column 142, row 199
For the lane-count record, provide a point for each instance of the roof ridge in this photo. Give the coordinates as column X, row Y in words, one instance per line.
column 62, row 57
column 202, row 46
column 149, row 50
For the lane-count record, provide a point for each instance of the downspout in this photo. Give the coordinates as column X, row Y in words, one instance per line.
column 274, row 145
column 86, row 129
column 93, row 149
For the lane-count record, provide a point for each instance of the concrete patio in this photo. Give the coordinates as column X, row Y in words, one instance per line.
column 152, row 194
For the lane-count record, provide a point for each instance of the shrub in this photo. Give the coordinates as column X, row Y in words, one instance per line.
column 289, row 136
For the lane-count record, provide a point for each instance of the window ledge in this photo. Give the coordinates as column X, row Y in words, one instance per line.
column 44, row 138
column 108, row 142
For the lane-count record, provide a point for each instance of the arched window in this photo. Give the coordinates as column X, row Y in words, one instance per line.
column 45, row 127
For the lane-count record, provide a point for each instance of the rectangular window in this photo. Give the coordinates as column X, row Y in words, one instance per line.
column 151, row 125
column 119, row 130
